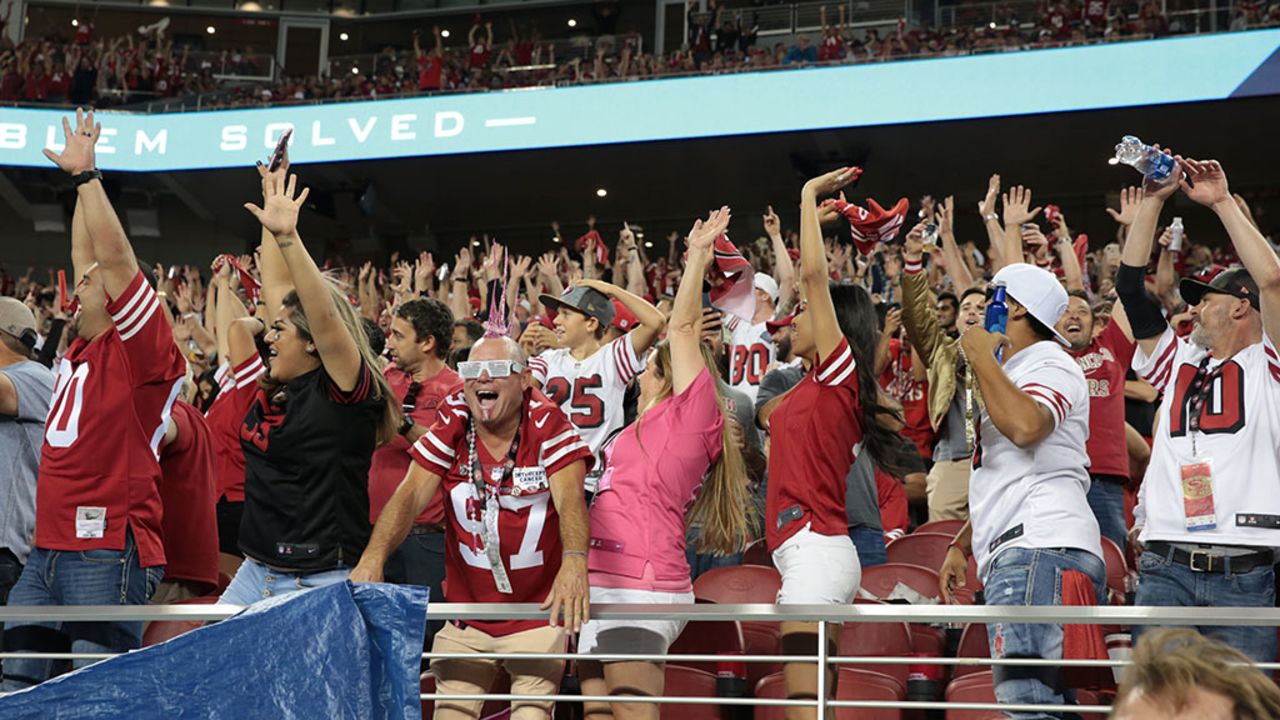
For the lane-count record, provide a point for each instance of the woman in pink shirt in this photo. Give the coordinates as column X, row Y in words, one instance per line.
column 653, row 485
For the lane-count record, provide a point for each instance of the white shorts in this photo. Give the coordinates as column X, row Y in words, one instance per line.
column 661, row 633
column 817, row 569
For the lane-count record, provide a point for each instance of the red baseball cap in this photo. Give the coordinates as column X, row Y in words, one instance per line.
column 774, row 326
column 623, row 319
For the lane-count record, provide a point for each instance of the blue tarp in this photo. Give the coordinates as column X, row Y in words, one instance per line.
column 337, row 652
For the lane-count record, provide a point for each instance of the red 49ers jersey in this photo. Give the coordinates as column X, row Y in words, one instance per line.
column 111, row 403
column 528, row 525
column 590, row 391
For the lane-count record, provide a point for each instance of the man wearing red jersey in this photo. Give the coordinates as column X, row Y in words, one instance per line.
column 430, row 64
column 512, row 467
column 187, row 492
column 97, row 504
column 420, row 339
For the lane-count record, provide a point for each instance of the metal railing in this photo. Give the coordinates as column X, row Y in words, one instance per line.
column 822, row 614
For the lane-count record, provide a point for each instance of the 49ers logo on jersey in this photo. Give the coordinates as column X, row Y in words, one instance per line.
column 587, row 408
column 1223, row 410
column 259, row 432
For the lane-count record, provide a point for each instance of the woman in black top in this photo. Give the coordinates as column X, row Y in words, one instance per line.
column 309, row 436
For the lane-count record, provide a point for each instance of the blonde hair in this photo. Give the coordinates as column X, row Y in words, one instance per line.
column 389, row 420
column 1170, row 663
column 723, row 508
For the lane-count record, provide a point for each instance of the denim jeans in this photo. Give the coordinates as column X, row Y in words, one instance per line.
column 87, row 577
column 10, row 569
column 1164, row 583
column 869, row 542
column 1106, row 499
column 255, row 582
column 1033, row 576
column 420, row 561
column 702, row 562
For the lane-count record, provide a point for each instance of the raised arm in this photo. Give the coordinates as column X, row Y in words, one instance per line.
column 650, row 317
column 339, row 353
column 1144, row 313
column 1072, row 274
column 1017, row 210
column 991, row 223
column 918, row 315
column 953, row 259
column 783, row 271
column 1206, row 183
column 814, row 275
column 1014, row 413
column 685, row 328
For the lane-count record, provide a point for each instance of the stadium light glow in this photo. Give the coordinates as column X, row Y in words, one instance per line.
column 601, row 192
column 444, row 33
column 211, row 30
column 75, row 22
column 573, row 23
column 344, row 37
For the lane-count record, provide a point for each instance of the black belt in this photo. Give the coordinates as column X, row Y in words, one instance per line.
column 1210, row 560
column 427, row 529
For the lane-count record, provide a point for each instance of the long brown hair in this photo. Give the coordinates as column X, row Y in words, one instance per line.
column 723, row 508
column 390, row 418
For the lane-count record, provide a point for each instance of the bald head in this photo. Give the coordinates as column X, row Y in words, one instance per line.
column 498, row 348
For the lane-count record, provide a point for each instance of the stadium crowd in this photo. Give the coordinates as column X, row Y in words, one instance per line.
column 599, row 424
column 86, row 69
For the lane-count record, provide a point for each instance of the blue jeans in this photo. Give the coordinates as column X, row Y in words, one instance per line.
column 255, row 582
column 1033, row 576
column 1106, row 499
column 1164, row 583
column 87, row 577
column 869, row 543
column 420, row 561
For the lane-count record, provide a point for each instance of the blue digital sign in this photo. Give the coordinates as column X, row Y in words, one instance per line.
column 1186, row 69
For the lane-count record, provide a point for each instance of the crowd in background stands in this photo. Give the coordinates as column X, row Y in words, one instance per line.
column 720, row 40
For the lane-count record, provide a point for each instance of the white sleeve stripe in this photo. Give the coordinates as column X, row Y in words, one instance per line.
column 136, row 327
column 550, row 444
column 1165, row 359
column 839, row 369
column 432, row 459
column 245, row 379
column 834, row 363
column 129, row 317
column 1163, row 378
column 166, row 413
column 848, row 369
column 249, row 369
column 138, row 296
column 1050, row 403
column 550, row 460
column 620, row 359
column 445, row 449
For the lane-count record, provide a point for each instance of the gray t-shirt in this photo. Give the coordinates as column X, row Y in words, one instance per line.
column 952, row 444
column 739, row 404
column 861, row 502
column 20, row 439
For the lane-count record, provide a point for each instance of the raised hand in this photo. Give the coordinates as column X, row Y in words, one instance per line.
column 402, row 274
column 892, row 322
column 1206, row 183
column 913, row 245
column 626, row 238
column 1163, row 189
column 833, row 181
column 548, row 265
column 946, row 216
column 772, row 225
column 462, row 264
column 422, row 269
column 1017, row 206
column 827, row 212
column 520, row 267
column 1130, row 198
column 78, row 154
column 988, row 205
column 702, row 236
column 279, row 213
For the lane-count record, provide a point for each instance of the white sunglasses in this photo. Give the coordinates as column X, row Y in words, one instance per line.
column 471, row 369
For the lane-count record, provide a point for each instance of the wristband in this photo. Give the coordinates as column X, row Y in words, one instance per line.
column 406, row 426
column 912, row 266
column 574, row 553
column 81, row 178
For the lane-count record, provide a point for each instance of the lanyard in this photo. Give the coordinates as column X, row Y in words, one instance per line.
column 489, row 526
column 1198, row 393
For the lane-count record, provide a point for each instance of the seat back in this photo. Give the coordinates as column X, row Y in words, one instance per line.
column 1117, row 570
column 757, row 553
column 880, row 580
column 973, row 644
column 688, row 682
column 946, row 527
column 712, row 637
column 761, row 638
column 738, row 584
column 854, row 684
column 927, row 549
column 973, row 688
column 877, row 639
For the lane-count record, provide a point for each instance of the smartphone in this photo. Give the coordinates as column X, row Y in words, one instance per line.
column 277, row 157
column 931, row 236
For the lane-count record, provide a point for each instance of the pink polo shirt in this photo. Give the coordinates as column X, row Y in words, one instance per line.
column 655, row 469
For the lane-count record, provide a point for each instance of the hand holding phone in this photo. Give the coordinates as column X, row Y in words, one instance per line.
column 281, row 153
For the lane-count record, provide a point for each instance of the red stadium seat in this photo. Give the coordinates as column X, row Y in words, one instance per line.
column 428, row 685
column 738, row 584
column 973, row 644
column 761, row 638
column 161, row 630
column 924, row 549
column 972, row 688
column 880, row 580
column 223, row 581
column 711, row 637
column 855, row 684
column 757, row 553
column 877, row 639
column 946, row 527
column 1117, row 570
column 689, row 682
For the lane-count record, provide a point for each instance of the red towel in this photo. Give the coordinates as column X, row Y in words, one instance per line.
column 592, row 242
column 873, row 226
column 732, row 281
column 1083, row 642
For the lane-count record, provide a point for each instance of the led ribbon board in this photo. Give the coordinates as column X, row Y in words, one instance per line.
column 1174, row 70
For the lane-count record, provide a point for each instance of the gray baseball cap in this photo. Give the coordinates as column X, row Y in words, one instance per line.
column 588, row 301
column 16, row 319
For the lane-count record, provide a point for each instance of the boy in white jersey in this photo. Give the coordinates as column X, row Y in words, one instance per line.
column 586, row 378
column 1029, row 516
column 1209, row 511
column 751, row 348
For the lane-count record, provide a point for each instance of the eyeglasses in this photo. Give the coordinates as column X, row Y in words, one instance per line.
column 471, row 369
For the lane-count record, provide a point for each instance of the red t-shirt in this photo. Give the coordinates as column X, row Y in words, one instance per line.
column 1104, row 362
column 391, row 461
column 110, row 408
column 901, row 385
column 430, row 72
column 225, row 418
column 528, row 525
column 188, row 494
column 36, row 88
column 479, row 55
column 59, row 83
column 814, row 436
column 831, row 48
column 1095, row 11
column 893, row 505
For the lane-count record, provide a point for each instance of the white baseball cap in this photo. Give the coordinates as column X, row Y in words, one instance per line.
column 765, row 282
column 1038, row 291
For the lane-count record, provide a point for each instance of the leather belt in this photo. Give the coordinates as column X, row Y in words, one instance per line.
column 427, row 529
column 1210, row 558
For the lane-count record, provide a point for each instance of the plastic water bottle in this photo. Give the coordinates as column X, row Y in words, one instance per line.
column 1175, row 235
column 997, row 318
column 1153, row 164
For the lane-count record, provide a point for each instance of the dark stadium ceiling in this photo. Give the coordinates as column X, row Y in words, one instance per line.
column 438, row 202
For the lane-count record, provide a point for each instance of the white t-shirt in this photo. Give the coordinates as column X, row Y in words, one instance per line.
column 750, row 351
column 1036, row 497
column 1239, row 432
column 590, row 391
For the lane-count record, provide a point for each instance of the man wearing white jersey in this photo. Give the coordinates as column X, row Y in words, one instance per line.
column 1028, row 509
column 751, row 349
column 1209, row 509
column 588, row 379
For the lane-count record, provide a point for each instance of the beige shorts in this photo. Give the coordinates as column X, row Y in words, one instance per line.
column 471, row 677
column 948, row 488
